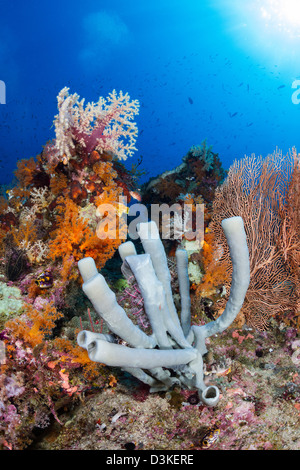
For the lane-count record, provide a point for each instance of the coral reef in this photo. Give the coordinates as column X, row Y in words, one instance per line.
column 198, row 175
column 49, row 220
column 50, row 217
column 52, row 395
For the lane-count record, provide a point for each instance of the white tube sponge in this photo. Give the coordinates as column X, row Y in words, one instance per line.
column 184, row 289
column 236, row 238
column 106, row 305
column 153, row 295
column 126, row 249
column 116, row 355
column 152, row 244
column 155, row 302
column 152, row 274
column 87, row 268
column 210, row 395
column 146, row 378
column 85, row 337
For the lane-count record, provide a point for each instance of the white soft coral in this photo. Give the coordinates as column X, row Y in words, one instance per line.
column 103, row 126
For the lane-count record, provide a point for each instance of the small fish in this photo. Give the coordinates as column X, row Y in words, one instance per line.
column 45, row 280
column 136, row 195
column 190, row 100
column 281, row 86
column 210, row 437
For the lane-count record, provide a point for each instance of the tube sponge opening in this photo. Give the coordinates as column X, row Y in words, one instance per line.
column 210, row 395
column 87, row 268
column 232, row 224
column 126, row 249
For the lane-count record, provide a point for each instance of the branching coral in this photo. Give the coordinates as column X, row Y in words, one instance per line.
column 106, row 126
column 10, row 301
column 193, row 182
column 48, row 222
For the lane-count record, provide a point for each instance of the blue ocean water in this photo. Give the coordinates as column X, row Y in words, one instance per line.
column 225, row 71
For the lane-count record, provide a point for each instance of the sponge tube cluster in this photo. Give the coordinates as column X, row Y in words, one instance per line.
column 173, row 353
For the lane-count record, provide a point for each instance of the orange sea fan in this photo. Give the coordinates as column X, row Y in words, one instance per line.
column 254, row 189
column 289, row 239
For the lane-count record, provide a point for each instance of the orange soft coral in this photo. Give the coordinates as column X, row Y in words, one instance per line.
column 58, row 183
column 25, row 234
column 216, row 269
column 74, row 239
column 105, row 171
column 3, row 204
column 34, row 325
column 25, row 171
column 77, row 356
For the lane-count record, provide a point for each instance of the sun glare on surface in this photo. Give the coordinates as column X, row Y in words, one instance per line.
column 282, row 15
